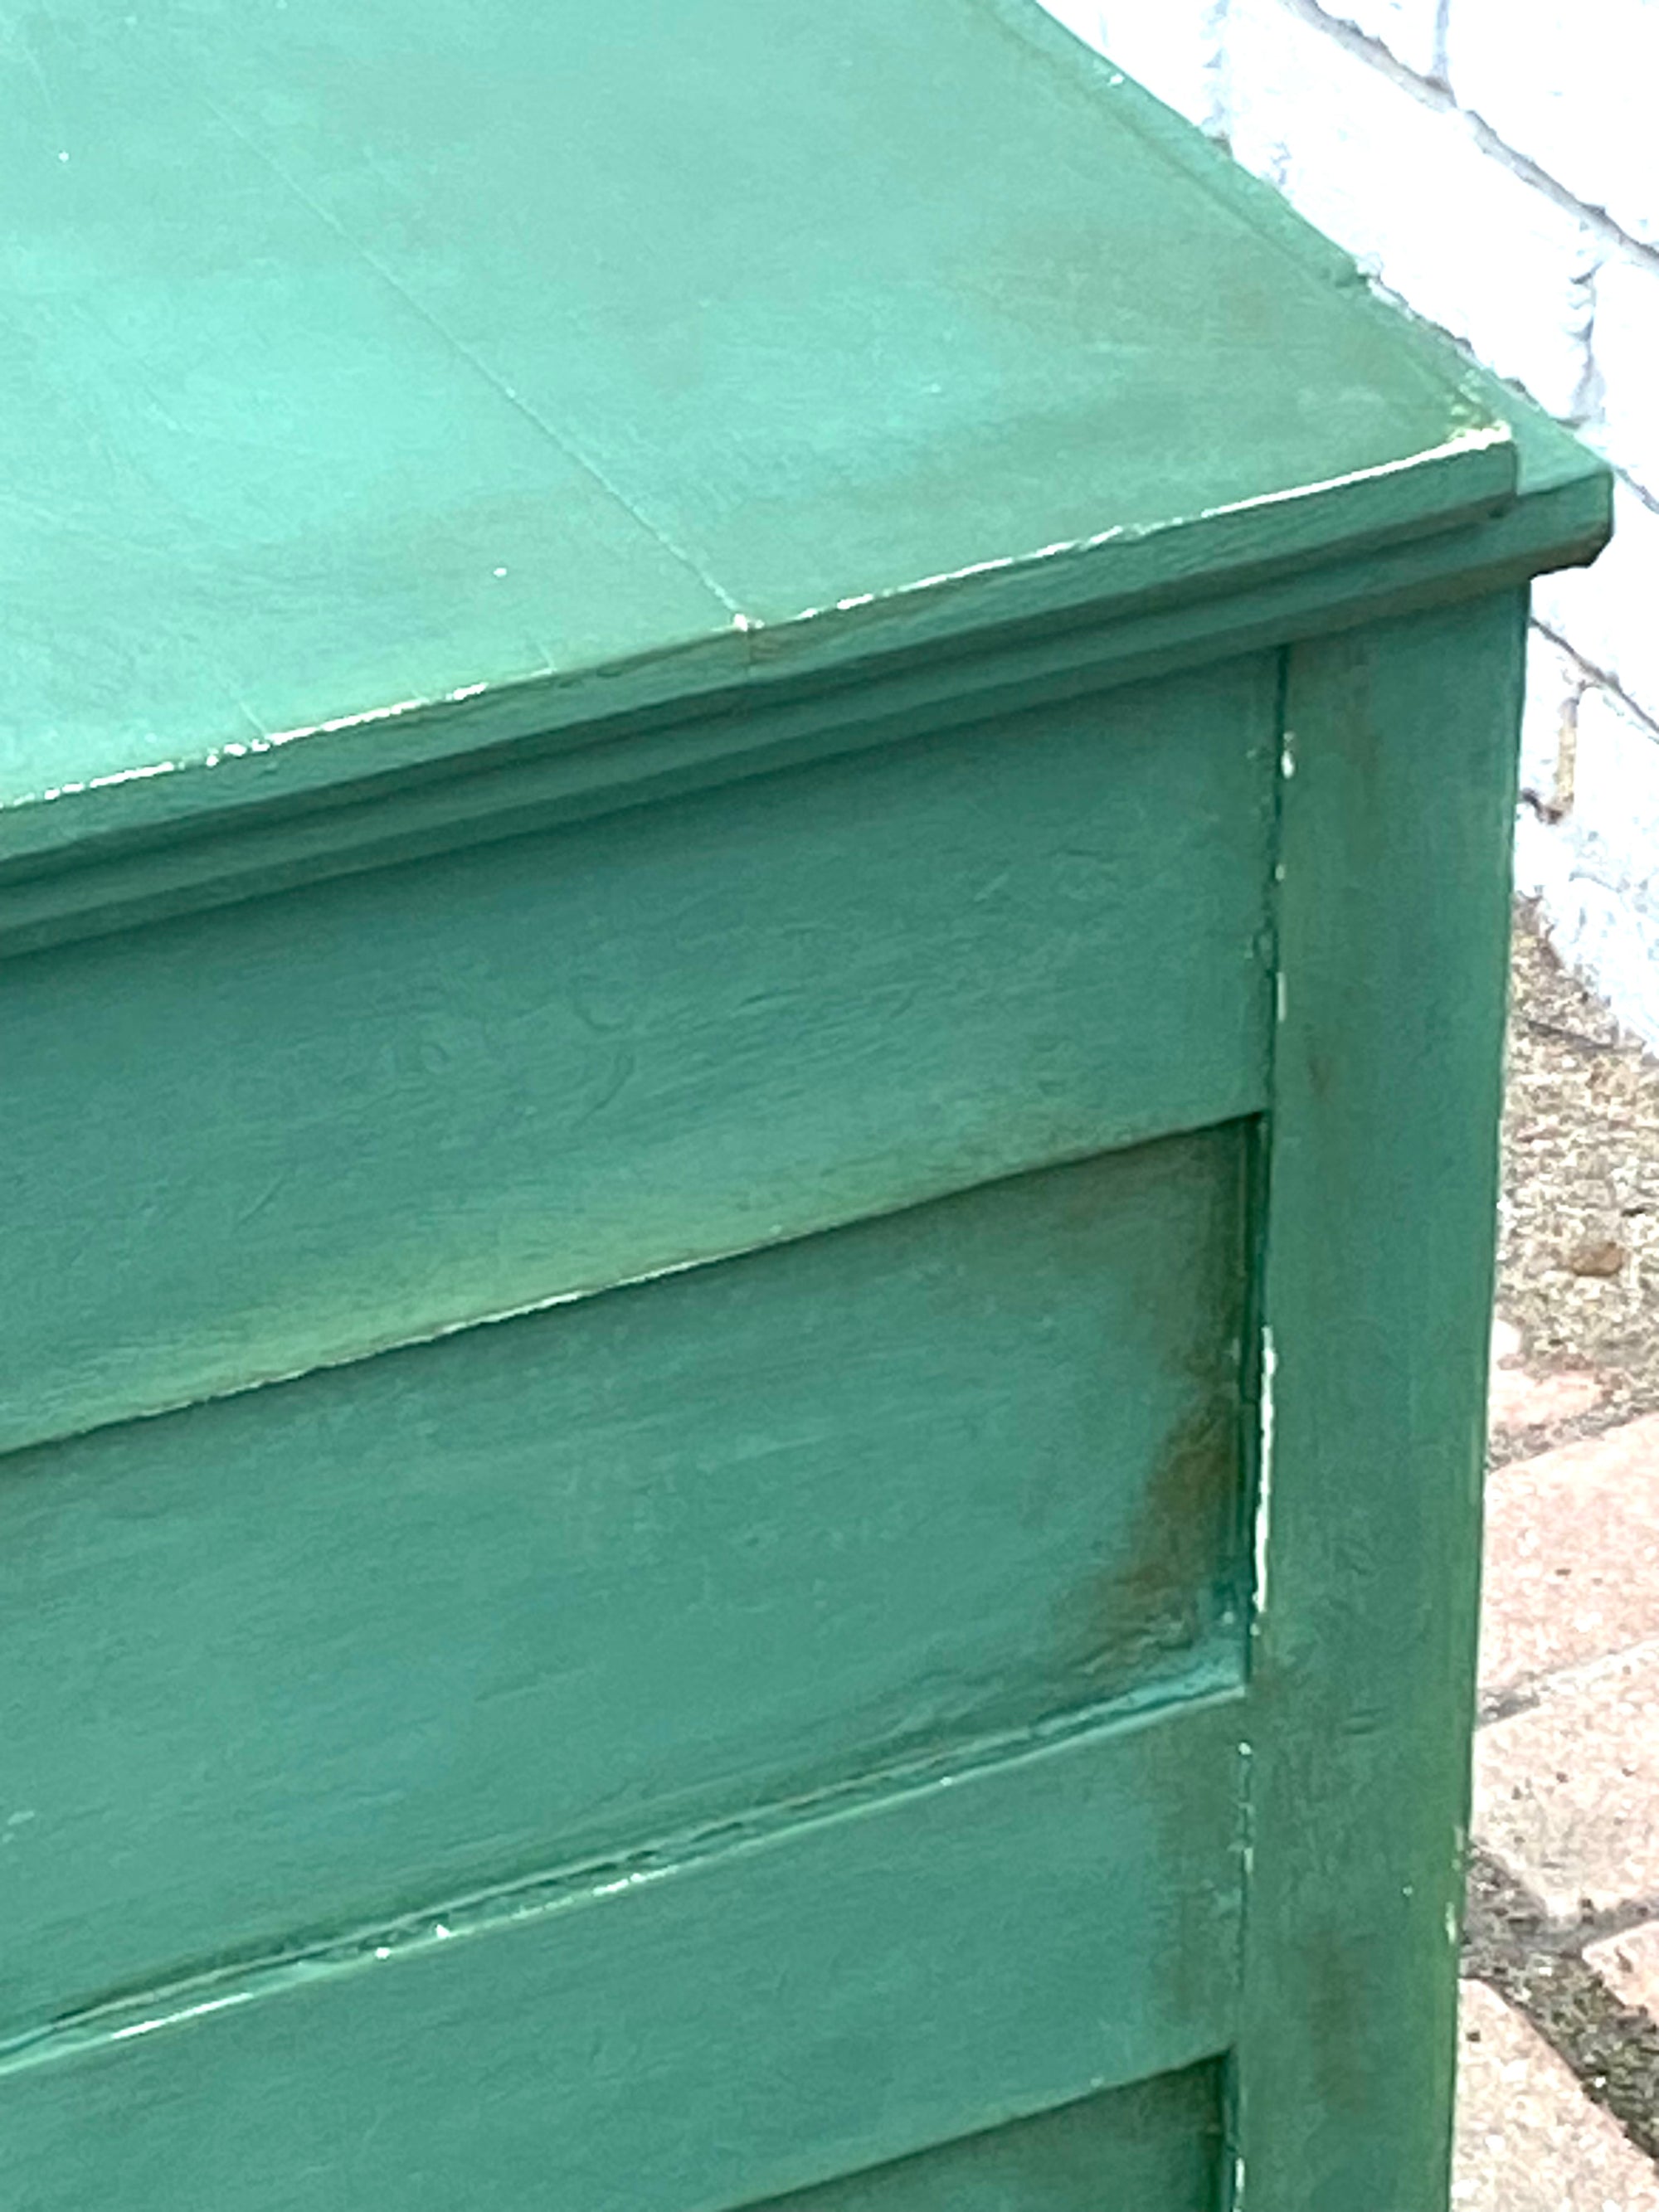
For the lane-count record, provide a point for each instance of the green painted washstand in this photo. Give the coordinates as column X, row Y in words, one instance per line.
column 758, row 768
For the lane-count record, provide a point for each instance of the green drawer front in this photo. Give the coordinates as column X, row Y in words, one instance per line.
column 801, row 2002
column 548, row 1591
column 303, row 1129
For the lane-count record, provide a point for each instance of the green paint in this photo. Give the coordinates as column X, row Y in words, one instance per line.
column 818, row 1998
column 1393, row 930
column 331, row 315
column 1158, row 2144
column 297, row 1132
column 546, row 1593
column 897, row 704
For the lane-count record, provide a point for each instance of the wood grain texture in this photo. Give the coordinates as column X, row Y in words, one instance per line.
column 1392, row 932
column 548, row 1591
column 1155, row 2147
column 243, row 1144
column 801, row 2005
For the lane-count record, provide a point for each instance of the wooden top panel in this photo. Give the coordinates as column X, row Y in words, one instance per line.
column 358, row 358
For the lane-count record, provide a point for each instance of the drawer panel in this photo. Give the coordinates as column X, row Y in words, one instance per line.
column 549, row 1590
column 1154, row 2147
column 805, row 2003
column 248, row 1143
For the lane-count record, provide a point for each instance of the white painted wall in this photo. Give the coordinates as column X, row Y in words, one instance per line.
column 1495, row 163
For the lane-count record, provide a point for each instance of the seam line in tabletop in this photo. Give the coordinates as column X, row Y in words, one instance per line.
column 1468, row 429
column 481, row 368
column 536, row 1898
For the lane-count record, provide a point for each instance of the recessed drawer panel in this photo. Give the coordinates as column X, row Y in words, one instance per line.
column 549, row 1590
column 320, row 1124
column 1153, row 2146
column 804, row 1999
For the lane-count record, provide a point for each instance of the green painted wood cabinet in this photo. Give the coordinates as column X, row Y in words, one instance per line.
column 758, row 766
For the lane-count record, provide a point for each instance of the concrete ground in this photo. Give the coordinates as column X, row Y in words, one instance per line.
column 1559, row 2092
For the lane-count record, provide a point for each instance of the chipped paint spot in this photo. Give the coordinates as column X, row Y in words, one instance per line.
column 1468, row 441
column 1287, row 755
column 235, row 749
column 636, row 1880
column 103, row 782
column 1476, row 439
column 134, row 774
column 1264, row 1493
column 177, row 2017
column 1281, row 998
column 341, row 722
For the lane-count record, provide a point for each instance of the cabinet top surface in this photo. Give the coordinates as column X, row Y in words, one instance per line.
column 358, row 358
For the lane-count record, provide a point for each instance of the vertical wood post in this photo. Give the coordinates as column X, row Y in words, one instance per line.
column 1397, row 787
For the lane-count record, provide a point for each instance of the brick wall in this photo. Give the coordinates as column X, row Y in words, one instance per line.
column 1495, row 164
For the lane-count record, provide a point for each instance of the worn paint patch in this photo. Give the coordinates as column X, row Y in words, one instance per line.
column 1178, row 1585
column 1174, row 1592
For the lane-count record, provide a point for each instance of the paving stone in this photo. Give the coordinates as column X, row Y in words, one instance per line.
column 1629, row 1964
column 1519, row 1400
column 1572, row 1554
column 1529, row 2139
column 1566, row 1794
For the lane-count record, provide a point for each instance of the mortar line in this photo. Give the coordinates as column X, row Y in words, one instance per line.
column 1531, row 1690
column 1440, row 96
column 1602, row 677
column 1588, row 2028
